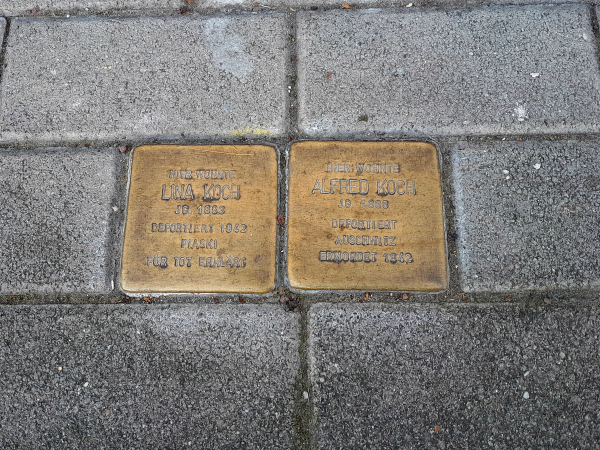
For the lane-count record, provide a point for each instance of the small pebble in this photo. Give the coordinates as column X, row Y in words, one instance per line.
column 526, row 395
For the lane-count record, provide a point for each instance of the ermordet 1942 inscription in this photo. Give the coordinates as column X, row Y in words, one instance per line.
column 366, row 216
column 201, row 219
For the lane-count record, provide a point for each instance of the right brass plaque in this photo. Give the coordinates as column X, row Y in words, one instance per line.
column 366, row 215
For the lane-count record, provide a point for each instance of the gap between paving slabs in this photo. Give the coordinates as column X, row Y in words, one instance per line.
column 302, row 301
column 281, row 294
column 396, row 297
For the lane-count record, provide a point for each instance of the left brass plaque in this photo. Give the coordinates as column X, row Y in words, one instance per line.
column 201, row 219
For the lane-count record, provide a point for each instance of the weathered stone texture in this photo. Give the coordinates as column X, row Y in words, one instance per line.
column 527, row 214
column 125, row 78
column 55, row 221
column 124, row 377
column 425, row 72
column 420, row 376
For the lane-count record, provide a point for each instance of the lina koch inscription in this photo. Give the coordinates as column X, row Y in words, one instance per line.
column 201, row 219
column 366, row 216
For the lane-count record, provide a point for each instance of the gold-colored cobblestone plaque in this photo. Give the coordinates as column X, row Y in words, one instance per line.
column 201, row 219
column 366, row 216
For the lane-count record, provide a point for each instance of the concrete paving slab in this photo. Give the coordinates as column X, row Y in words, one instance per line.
column 40, row 7
column 147, row 377
column 527, row 69
column 399, row 376
column 55, row 233
column 310, row 4
column 527, row 214
column 21, row 7
column 127, row 78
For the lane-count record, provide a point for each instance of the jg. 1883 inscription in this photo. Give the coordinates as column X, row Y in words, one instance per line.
column 366, row 216
column 201, row 219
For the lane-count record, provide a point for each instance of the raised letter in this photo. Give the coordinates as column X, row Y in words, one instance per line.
column 163, row 193
column 317, row 187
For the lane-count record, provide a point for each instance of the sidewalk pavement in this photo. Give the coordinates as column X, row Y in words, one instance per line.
column 506, row 357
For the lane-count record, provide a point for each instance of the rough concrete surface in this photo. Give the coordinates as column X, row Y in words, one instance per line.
column 147, row 377
column 222, row 4
column 529, row 69
column 455, row 376
column 25, row 7
column 19, row 7
column 55, row 234
column 125, row 78
column 527, row 214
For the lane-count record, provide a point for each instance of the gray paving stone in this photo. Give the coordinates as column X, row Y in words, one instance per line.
column 430, row 72
column 19, row 7
column 527, row 214
column 24, row 7
column 127, row 78
column 494, row 377
column 55, row 234
column 147, row 377
column 225, row 4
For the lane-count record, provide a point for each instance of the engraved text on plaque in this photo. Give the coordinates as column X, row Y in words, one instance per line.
column 201, row 219
column 366, row 216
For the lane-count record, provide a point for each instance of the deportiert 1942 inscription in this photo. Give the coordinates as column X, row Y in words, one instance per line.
column 201, row 219
column 366, row 216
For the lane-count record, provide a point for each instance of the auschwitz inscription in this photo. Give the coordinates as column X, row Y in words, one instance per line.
column 366, row 216
column 201, row 219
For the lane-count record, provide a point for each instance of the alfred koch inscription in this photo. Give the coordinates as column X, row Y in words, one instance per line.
column 201, row 219
column 366, row 216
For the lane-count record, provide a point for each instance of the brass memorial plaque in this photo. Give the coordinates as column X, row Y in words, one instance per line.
column 366, row 216
column 201, row 219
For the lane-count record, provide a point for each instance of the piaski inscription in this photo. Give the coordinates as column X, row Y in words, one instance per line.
column 193, row 221
column 365, row 216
